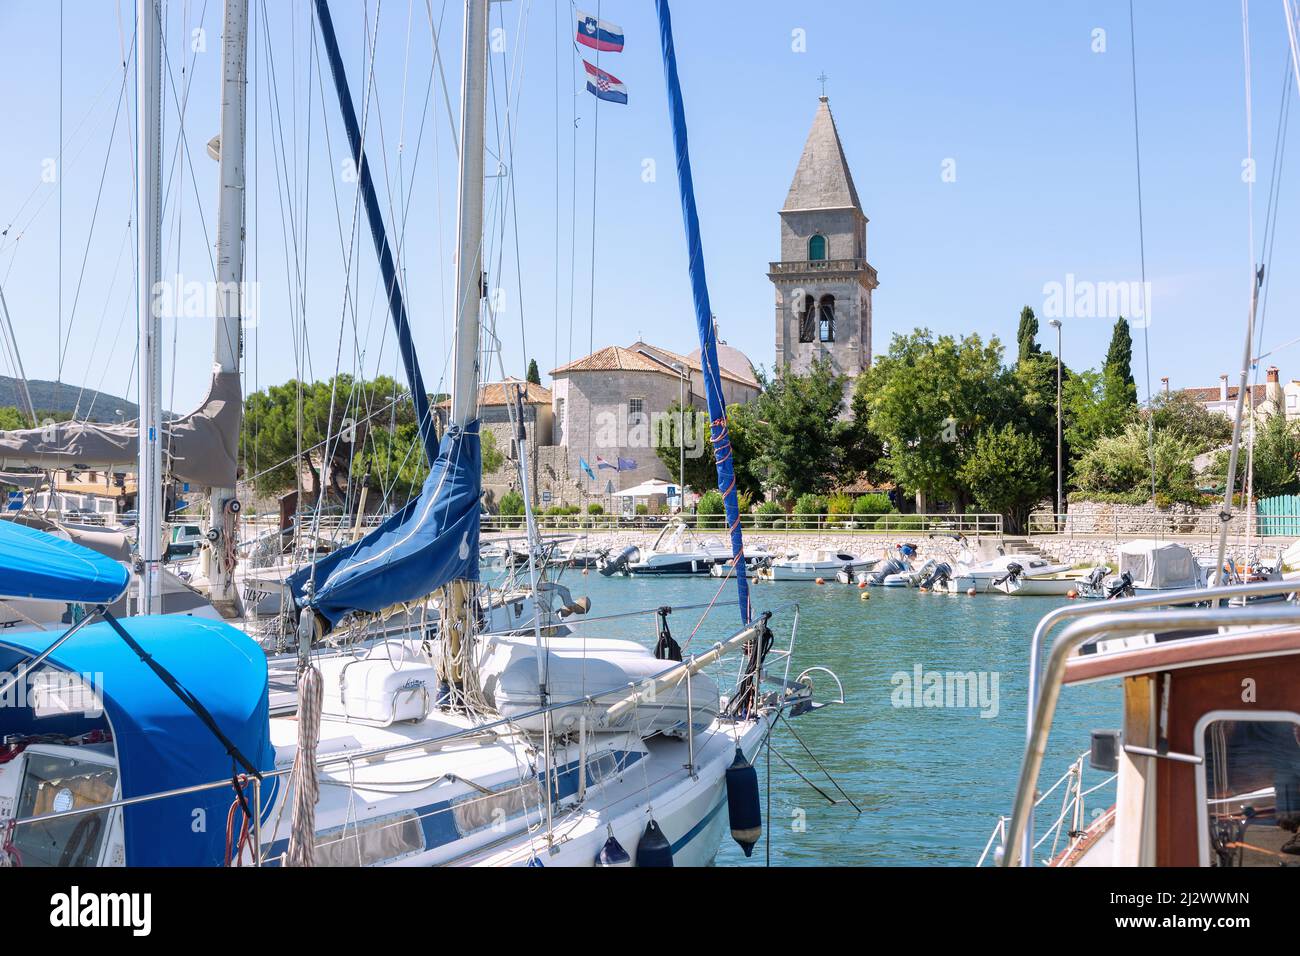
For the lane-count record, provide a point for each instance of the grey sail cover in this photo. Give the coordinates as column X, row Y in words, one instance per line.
column 200, row 448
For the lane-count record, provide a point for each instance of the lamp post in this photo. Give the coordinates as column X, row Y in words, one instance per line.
column 681, row 439
column 1056, row 324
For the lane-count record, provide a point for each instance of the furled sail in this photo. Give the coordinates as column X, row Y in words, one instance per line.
column 200, row 448
column 431, row 541
column 703, row 311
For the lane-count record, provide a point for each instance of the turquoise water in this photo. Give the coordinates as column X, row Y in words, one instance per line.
column 931, row 781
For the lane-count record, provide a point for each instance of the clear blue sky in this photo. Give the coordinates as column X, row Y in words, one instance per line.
column 1039, row 125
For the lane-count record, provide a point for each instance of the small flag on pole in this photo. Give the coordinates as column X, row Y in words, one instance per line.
column 599, row 34
column 627, row 464
column 602, row 463
column 604, row 86
column 587, row 468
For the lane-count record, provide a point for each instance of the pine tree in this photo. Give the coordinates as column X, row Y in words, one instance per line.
column 534, row 375
column 1118, row 368
column 1027, row 335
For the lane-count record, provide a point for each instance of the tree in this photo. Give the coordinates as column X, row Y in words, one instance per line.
column 1276, row 459
column 796, row 432
column 1119, row 363
column 493, row 457
column 1007, row 474
column 1183, row 415
column 534, row 375
column 337, row 420
column 11, row 418
column 927, row 400
column 701, row 467
column 1121, row 465
column 1094, row 408
column 393, row 461
column 1027, row 335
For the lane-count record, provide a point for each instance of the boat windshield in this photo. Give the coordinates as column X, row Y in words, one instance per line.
column 1252, row 792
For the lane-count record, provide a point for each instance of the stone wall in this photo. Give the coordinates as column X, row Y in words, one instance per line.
column 1102, row 518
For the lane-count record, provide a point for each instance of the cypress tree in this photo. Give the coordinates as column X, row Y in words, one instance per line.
column 534, row 375
column 1118, row 368
column 1027, row 334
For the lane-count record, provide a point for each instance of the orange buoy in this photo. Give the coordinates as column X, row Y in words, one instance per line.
column 1072, row 594
column 821, row 580
column 923, row 589
column 971, row 592
column 862, row 584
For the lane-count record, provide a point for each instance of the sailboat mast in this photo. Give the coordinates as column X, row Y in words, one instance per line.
column 469, row 221
column 457, row 610
column 226, row 349
column 148, row 231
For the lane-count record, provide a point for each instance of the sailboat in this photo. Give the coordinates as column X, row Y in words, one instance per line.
column 446, row 745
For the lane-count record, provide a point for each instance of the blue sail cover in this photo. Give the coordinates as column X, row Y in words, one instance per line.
column 431, row 541
column 37, row 565
column 161, row 745
column 704, row 312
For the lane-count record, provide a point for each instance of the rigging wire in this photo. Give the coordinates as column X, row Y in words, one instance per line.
column 1142, row 252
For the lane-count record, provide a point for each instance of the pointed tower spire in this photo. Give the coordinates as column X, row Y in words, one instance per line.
column 822, row 179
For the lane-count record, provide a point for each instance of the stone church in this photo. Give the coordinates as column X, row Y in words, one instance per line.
column 823, row 280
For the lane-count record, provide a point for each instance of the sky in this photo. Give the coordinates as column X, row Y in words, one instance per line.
column 992, row 146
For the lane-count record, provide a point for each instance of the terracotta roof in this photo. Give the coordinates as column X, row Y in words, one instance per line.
column 1257, row 393
column 502, row 393
column 616, row 358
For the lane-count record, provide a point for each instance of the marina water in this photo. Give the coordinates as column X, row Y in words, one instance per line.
column 931, row 780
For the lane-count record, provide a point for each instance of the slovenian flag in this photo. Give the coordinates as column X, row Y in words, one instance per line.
column 603, row 86
column 599, row 34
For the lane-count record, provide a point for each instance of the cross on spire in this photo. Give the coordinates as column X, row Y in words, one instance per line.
column 822, row 78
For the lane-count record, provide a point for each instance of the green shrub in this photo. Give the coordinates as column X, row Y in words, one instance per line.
column 710, row 512
column 839, row 505
column 872, row 505
column 806, row 508
column 511, row 508
column 765, row 515
column 642, row 510
column 595, row 508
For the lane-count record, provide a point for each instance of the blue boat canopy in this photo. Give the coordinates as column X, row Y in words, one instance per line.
column 429, row 542
column 161, row 744
column 34, row 564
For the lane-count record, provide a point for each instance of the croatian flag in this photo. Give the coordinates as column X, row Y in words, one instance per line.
column 599, row 34
column 604, row 86
column 602, row 463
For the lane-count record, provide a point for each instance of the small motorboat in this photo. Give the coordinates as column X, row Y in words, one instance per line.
column 809, row 565
column 676, row 551
column 988, row 575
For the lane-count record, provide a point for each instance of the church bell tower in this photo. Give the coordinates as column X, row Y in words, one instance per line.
column 823, row 280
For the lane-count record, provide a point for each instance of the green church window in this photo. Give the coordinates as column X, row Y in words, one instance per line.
column 817, row 248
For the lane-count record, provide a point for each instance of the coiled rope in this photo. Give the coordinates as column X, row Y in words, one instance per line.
column 306, row 787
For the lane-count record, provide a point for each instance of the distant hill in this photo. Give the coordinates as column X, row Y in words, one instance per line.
column 52, row 397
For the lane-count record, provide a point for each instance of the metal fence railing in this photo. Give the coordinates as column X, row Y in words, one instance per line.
column 882, row 524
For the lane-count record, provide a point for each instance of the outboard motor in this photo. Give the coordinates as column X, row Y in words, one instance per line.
column 892, row 566
column 620, row 561
column 1013, row 574
column 1121, row 588
column 1093, row 582
column 939, row 574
